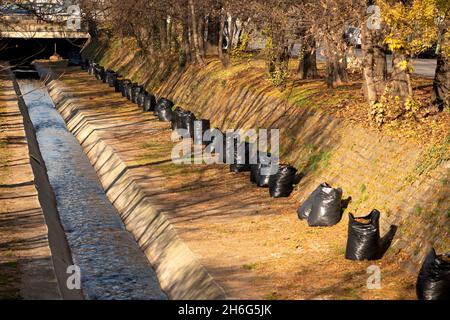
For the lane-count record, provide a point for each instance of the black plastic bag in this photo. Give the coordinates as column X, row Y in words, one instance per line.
column 257, row 175
column 200, row 127
column 163, row 109
column 213, row 146
column 187, row 122
column 129, row 91
column 91, row 69
column 99, row 73
column 433, row 282
column 149, row 102
column 306, row 207
column 363, row 242
column 241, row 161
column 177, row 114
column 323, row 206
column 165, row 114
column 178, row 121
column 282, row 183
column 118, row 85
column 125, row 83
column 263, row 180
column 254, row 174
column 111, row 77
column 162, row 103
column 137, row 89
column 140, row 99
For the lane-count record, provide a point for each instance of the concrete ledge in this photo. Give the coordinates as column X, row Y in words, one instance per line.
column 25, row 234
column 179, row 271
column 60, row 251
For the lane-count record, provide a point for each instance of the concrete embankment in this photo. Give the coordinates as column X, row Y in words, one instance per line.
column 31, row 234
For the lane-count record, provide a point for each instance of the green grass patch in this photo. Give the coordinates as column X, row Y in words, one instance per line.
column 315, row 159
column 436, row 155
column 249, row 266
column 271, row 296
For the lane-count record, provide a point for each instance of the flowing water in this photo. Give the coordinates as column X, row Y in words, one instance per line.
column 111, row 263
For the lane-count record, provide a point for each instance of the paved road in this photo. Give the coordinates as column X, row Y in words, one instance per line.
column 423, row 67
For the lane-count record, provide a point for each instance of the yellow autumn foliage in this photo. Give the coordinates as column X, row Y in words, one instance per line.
column 412, row 27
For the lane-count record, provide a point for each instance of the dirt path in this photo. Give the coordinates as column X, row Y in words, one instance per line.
column 26, row 268
column 253, row 245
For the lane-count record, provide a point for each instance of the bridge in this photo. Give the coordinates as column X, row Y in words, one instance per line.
column 41, row 19
column 28, row 26
column 35, row 30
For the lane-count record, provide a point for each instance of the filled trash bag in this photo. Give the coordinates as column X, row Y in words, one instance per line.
column 97, row 72
column 129, row 91
column 163, row 110
column 257, row 175
column 91, row 69
column 149, row 102
column 176, row 119
column 123, row 87
column 323, row 206
column 100, row 73
column 162, row 103
column 263, row 180
column 212, row 145
column 254, row 173
column 187, row 122
column 118, row 84
column 282, row 183
column 140, row 99
column 137, row 89
column 111, row 77
column 241, row 161
column 305, row 209
column 200, row 127
column 363, row 242
column 165, row 114
column 433, row 282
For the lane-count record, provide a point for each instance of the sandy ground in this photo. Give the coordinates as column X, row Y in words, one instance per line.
column 253, row 245
column 26, row 268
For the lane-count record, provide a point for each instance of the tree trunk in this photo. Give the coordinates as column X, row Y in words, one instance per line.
column 277, row 65
column 231, row 35
column 201, row 32
column 186, row 49
column 307, row 66
column 342, row 67
column 374, row 64
column 336, row 68
column 169, row 35
column 400, row 83
column 195, row 36
column 441, row 83
column 220, row 44
column 163, row 34
column 332, row 78
column 336, row 64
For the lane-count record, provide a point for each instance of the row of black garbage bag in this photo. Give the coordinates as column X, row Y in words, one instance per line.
column 324, row 206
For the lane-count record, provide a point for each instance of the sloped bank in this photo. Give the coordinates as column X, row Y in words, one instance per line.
column 376, row 171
